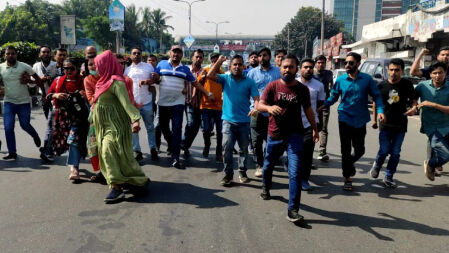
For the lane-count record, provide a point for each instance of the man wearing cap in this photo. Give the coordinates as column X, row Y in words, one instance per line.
column 172, row 99
column 264, row 74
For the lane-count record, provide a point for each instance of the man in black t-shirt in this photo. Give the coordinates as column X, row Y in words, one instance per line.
column 443, row 57
column 283, row 100
column 397, row 96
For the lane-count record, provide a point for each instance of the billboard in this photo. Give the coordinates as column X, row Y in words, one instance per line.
column 68, row 30
column 117, row 16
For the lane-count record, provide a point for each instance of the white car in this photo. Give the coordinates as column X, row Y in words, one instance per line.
column 338, row 72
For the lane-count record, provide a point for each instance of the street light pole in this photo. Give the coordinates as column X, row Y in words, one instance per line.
column 322, row 28
column 216, row 27
column 190, row 11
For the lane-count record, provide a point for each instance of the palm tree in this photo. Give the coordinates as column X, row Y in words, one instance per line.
column 159, row 20
column 146, row 24
column 132, row 28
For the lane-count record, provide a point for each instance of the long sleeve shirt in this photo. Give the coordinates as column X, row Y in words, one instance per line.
column 353, row 108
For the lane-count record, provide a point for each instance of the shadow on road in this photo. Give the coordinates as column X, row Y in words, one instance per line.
column 169, row 192
column 325, row 186
column 23, row 163
column 366, row 223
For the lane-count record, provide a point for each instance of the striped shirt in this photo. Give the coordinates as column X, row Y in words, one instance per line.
column 172, row 83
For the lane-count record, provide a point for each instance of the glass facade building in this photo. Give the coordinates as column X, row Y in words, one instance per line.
column 343, row 10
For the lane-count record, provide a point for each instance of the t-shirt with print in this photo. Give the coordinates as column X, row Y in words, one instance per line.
column 396, row 98
column 291, row 99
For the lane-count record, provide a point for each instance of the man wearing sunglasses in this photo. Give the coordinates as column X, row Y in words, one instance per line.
column 143, row 75
column 353, row 114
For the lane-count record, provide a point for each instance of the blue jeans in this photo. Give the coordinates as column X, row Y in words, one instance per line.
column 209, row 117
column 233, row 132
column 193, row 124
column 147, row 116
column 23, row 112
column 274, row 149
column 390, row 142
column 439, row 145
column 74, row 157
column 175, row 114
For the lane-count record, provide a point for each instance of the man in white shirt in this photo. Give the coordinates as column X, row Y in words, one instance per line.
column 142, row 75
column 317, row 97
column 46, row 68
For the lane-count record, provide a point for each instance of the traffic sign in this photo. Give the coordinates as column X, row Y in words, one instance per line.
column 189, row 41
column 232, row 54
column 216, row 49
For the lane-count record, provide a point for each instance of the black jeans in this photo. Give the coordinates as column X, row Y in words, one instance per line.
column 259, row 131
column 307, row 158
column 351, row 137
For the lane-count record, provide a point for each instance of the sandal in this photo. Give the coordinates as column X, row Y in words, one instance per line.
column 74, row 175
column 348, row 186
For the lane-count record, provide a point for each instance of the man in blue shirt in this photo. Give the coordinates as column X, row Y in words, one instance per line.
column 434, row 94
column 353, row 88
column 237, row 91
column 262, row 75
column 253, row 61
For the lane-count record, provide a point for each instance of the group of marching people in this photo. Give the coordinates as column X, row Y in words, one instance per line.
column 95, row 111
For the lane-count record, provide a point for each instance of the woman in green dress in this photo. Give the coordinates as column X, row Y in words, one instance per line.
column 114, row 112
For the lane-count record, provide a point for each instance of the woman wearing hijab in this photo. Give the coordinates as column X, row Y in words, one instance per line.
column 114, row 110
column 70, row 117
column 90, row 82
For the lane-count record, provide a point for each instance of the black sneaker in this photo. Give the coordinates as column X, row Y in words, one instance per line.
column 154, row 154
column 227, row 180
column 322, row 156
column 177, row 165
column 10, row 156
column 37, row 141
column 114, row 196
column 389, row 182
column 46, row 158
column 138, row 156
column 186, row 153
column 294, row 216
column 265, row 195
column 374, row 172
column 205, row 152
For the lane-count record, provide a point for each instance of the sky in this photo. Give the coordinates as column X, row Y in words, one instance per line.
column 250, row 17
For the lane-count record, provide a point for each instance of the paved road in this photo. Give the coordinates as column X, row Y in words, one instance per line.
column 188, row 211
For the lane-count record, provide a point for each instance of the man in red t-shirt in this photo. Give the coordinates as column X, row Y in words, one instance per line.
column 283, row 100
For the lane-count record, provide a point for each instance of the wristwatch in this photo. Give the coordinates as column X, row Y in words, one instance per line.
column 210, row 94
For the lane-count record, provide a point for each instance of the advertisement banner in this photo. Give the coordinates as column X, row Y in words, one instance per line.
column 230, row 47
column 117, row 16
column 68, row 30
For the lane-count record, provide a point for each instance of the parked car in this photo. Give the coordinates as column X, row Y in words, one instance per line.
column 378, row 69
column 338, row 72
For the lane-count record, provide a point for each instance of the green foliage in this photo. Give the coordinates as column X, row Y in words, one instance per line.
column 35, row 21
column 305, row 26
column 38, row 21
column 26, row 52
column 97, row 28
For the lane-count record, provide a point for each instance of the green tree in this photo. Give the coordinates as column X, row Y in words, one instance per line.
column 35, row 21
column 159, row 20
column 97, row 28
column 132, row 33
column 303, row 28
